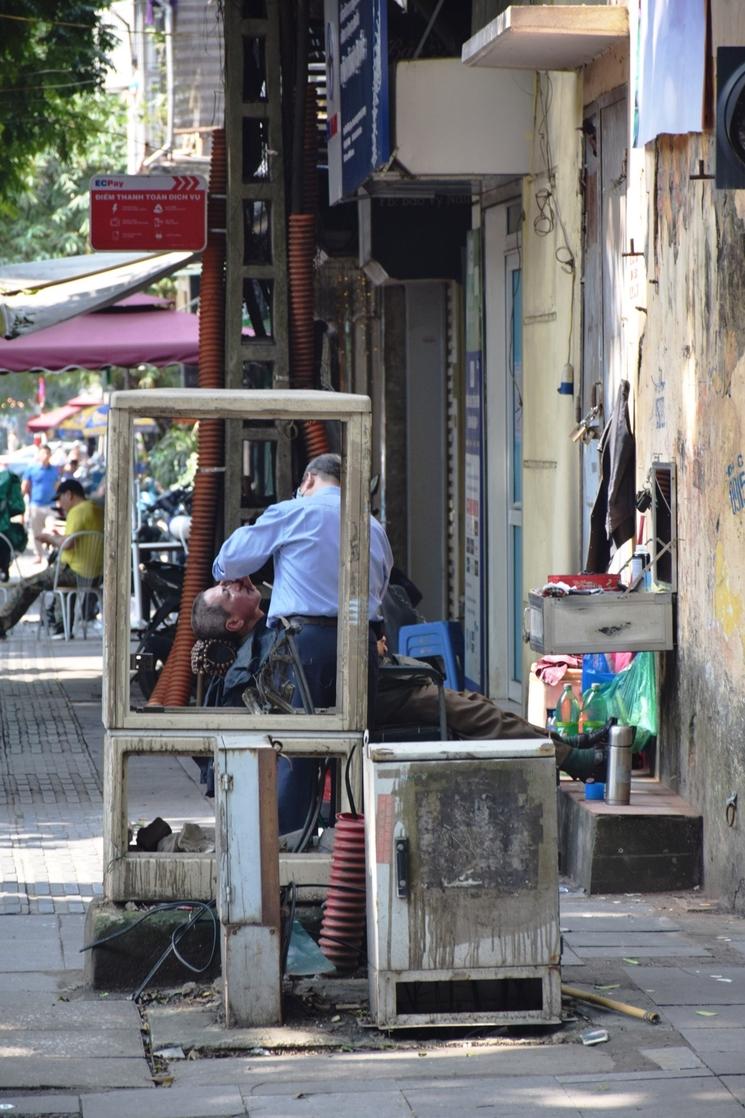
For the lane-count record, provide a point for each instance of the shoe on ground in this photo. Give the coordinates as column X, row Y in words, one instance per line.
column 58, row 633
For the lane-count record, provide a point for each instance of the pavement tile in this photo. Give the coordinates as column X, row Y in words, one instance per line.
column 22, row 1073
column 570, row 958
column 69, row 1043
column 736, row 1085
column 673, row 1058
column 31, row 955
column 650, row 951
column 589, row 936
column 637, row 1076
column 684, row 1097
column 697, row 1017
column 580, row 920
column 210, row 1102
column 32, row 982
column 46, row 1011
column 318, row 1104
column 686, row 986
column 505, row 1096
column 30, row 928
column 41, row 1106
column 196, row 1028
column 285, row 1075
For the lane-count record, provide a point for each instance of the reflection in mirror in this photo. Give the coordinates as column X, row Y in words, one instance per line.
column 164, row 463
column 249, row 652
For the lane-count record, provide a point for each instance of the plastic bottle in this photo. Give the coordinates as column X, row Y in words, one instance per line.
column 567, row 713
column 594, row 709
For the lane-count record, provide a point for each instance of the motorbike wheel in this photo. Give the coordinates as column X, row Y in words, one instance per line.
column 157, row 645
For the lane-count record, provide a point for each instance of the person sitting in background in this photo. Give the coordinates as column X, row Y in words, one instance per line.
column 80, row 558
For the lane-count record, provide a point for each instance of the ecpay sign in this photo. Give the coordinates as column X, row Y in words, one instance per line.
column 149, row 212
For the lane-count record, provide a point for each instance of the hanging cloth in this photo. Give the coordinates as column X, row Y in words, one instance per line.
column 613, row 517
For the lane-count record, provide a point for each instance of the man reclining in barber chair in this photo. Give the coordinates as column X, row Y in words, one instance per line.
column 301, row 537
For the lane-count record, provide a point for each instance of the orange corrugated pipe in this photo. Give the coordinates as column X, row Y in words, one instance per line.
column 301, row 244
column 173, row 688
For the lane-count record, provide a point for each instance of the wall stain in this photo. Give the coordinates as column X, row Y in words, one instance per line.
column 728, row 606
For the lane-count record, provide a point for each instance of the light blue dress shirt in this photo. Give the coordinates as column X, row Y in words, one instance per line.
column 302, row 536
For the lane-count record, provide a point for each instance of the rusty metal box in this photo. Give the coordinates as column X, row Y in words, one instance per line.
column 461, row 845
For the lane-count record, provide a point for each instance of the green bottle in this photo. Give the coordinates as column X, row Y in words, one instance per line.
column 567, row 713
column 594, row 709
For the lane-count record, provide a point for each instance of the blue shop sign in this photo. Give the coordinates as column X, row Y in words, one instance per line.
column 358, row 132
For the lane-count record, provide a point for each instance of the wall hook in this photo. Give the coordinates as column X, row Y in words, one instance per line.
column 702, row 174
column 632, row 251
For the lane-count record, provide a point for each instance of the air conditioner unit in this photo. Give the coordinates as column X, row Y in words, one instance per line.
column 463, row 913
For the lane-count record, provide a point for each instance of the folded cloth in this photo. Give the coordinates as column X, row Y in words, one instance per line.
column 552, row 669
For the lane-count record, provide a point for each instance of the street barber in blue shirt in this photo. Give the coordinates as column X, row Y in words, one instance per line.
column 301, row 536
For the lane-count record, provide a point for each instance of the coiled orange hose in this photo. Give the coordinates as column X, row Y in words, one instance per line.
column 173, row 688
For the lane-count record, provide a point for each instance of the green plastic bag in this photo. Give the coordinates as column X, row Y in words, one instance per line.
column 631, row 697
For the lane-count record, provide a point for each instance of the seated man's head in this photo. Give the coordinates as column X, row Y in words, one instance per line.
column 69, row 493
column 230, row 609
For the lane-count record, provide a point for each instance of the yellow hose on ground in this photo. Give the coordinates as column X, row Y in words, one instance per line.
column 609, row 1003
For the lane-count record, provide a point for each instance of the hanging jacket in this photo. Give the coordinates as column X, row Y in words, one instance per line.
column 613, row 518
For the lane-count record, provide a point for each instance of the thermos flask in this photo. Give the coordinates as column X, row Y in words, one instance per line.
column 618, row 780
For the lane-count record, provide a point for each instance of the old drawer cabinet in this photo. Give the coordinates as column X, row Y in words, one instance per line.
column 607, row 622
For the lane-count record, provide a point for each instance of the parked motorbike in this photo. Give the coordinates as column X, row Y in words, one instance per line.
column 162, row 583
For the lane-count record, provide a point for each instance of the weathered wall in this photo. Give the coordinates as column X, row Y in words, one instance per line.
column 550, row 459
column 691, row 409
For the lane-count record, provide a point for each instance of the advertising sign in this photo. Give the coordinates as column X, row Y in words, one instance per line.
column 357, row 122
column 148, row 212
column 473, row 621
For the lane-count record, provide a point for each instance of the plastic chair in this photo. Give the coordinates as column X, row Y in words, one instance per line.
column 74, row 598
column 438, row 642
column 13, row 558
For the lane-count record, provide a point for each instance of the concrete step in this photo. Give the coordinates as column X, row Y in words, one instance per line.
column 651, row 845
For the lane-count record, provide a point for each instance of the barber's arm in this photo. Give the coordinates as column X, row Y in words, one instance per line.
column 249, row 548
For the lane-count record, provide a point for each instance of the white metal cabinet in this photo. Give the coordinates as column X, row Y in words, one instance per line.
column 461, row 845
column 608, row 622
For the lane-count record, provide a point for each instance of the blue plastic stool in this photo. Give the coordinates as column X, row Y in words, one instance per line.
column 441, row 641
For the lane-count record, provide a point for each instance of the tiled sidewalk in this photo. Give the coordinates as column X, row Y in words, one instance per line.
column 50, row 789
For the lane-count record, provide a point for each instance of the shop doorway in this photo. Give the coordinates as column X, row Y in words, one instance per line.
column 605, row 127
column 504, row 456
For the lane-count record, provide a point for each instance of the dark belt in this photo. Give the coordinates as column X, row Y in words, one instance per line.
column 330, row 622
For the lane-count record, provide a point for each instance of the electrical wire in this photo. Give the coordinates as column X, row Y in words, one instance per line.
column 348, row 783
column 177, row 935
column 547, row 201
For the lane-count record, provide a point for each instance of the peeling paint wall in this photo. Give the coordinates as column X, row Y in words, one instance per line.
column 691, row 409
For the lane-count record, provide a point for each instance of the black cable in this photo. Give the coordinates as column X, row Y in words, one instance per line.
column 145, row 916
column 176, row 936
column 348, row 784
column 314, row 809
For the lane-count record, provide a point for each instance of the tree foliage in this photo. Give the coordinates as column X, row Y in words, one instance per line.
column 50, row 212
column 53, row 55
